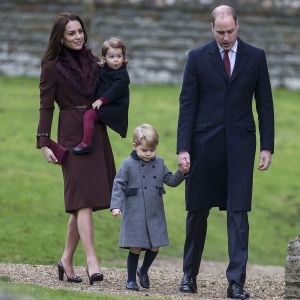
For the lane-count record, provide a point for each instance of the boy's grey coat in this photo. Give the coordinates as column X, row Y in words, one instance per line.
column 137, row 191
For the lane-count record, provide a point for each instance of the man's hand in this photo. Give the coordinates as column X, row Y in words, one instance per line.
column 265, row 160
column 184, row 162
column 97, row 104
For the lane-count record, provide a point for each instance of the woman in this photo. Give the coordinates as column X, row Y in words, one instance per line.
column 68, row 77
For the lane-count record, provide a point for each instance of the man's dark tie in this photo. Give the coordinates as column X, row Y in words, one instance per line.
column 227, row 63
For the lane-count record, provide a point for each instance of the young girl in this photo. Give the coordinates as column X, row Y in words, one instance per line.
column 137, row 194
column 113, row 95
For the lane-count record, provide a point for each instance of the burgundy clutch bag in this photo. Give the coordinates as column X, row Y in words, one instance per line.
column 58, row 150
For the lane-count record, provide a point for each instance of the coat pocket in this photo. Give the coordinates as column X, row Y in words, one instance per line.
column 130, row 192
column 201, row 127
column 161, row 191
column 250, row 126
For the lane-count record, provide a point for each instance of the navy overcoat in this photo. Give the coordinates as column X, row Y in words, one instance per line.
column 113, row 87
column 216, row 125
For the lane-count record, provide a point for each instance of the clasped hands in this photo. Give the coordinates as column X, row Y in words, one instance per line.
column 184, row 162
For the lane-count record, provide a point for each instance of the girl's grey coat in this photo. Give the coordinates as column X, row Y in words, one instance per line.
column 137, row 191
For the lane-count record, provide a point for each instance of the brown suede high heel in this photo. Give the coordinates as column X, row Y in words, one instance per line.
column 94, row 276
column 62, row 272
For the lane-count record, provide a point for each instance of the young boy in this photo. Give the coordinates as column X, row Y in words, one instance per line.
column 137, row 195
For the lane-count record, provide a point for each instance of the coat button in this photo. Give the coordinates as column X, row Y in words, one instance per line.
column 142, row 165
column 143, row 176
column 145, row 187
column 154, row 177
column 156, row 187
column 153, row 166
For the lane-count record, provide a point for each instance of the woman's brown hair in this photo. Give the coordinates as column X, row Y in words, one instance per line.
column 54, row 45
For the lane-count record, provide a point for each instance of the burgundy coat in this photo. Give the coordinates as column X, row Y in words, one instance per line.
column 88, row 178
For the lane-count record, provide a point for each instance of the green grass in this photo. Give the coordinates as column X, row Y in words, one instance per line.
column 42, row 293
column 32, row 218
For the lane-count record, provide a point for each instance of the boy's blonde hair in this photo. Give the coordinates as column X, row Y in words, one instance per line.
column 113, row 43
column 145, row 133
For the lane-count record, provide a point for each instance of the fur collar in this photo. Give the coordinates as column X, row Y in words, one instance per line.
column 81, row 72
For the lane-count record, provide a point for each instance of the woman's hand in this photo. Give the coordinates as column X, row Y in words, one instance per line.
column 97, row 104
column 49, row 156
column 115, row 212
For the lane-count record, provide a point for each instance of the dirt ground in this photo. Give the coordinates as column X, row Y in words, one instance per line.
column 263, row 282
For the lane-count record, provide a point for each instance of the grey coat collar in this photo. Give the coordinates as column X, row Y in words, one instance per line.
column 134, row 155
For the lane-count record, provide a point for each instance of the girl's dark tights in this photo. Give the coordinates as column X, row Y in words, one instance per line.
column 89, row 119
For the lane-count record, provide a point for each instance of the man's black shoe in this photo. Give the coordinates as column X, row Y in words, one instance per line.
column 132, row 285
column 188, row 284
column 235, row 291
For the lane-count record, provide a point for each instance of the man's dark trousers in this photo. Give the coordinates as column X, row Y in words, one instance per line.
column 238, row 234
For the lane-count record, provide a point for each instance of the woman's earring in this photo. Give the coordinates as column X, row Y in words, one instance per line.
column 62, row 42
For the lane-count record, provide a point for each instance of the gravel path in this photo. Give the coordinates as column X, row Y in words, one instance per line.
column 263, row 282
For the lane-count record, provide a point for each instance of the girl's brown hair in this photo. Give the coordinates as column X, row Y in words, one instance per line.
column 113, row 43
column 54, row 45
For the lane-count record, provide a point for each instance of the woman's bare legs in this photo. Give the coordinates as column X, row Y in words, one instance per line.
column 72, row 240
column 86, row 232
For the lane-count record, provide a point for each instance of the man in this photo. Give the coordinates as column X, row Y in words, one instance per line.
column 216, row 137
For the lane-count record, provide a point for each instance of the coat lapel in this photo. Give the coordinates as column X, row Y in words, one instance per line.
column 242, row 56
column 216, row 58
column 240, row 61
